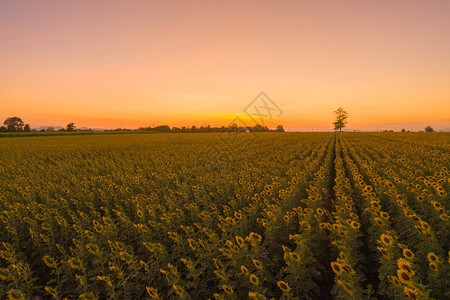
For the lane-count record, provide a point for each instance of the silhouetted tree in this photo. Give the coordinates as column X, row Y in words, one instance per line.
column 27, row 128
column 71, row 127
column 280, row 128
column 403, row 130
column 2, row 129
column 50, row 129
column 429, row 129
column 341, row 119
column 13, row 124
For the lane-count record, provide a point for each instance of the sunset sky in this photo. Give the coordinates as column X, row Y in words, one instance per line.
column 124, row 63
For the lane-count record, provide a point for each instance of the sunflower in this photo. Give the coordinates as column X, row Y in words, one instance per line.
column 15, row 295
column 294, row 256
column 283, row 286
column 152, row 292
column 337, row 268
column 240, row 241
column 408, row 254
column 404, row 265
column 320, row 212
column 355, row 225
column 444, row 217
column 425, row 225
column 49, row 261
column 342, row 256
column 51, row 291
column 255, row 237
column 244, row 270
column 394, row 280
column 437, row 206
column 254, row 279
column 386, row 240
column 179, row 290
column 75, row 263
column 257, row 264
column 432, row 257
column 412, row 293
column 305, row 225
column 384, row 215
column 434, row 266
column 404, row 276
column 346, row 287
column 383, row 251
column 227, row 289
column 379, row 221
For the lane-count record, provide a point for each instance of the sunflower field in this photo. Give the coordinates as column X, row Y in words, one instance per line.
column 284, row 216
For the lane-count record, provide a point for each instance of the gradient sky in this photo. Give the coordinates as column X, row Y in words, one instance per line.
column 124, row 63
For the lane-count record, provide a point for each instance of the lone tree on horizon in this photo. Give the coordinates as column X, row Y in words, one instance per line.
column 71, row 127
column 14, row 124
column 341, row 119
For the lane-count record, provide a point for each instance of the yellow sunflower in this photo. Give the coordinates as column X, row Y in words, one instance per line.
column 404, row 276
column 283, row 286
column 337, row 268
column 227, row 289
column 254, row 279
column 408, row 254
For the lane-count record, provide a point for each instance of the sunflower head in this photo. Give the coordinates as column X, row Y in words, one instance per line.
column 434, row 266
column 432, row 257
column 257, row 264
column 408, row 254
column 152, row 292
column 386, row 240
column 383, row 251
column 404, row 265
column 254, row 279
column 294, row 256
column 404, row 276
column 394, row 280
column 244, row 270
column 355, row 225
column 283, row 286
column 412, row 293
column 337, row 268
column 229, row 290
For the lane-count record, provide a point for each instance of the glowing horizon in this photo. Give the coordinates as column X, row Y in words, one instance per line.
column 111, row 64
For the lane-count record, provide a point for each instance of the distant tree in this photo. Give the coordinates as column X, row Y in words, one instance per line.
column 3, row 129
column 42, row 130
column 71, row 127
column 27, row 128
column 403, row 130
column 341, row 119
column 13, row 124
column 429, row 129
column 50, row 129
column 280, row 128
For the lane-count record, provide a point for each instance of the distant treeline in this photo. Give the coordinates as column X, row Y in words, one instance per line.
column 194, row 129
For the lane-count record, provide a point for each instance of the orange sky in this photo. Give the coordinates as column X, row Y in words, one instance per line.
column 116, row 64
